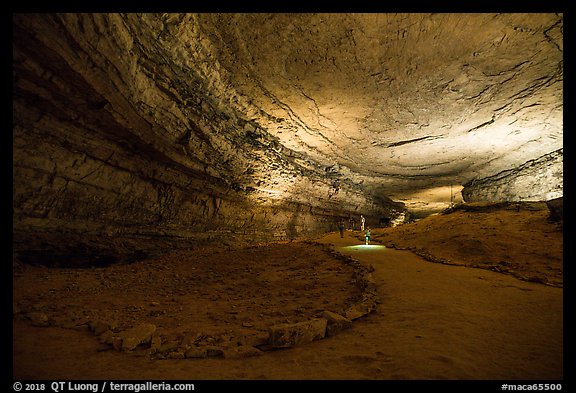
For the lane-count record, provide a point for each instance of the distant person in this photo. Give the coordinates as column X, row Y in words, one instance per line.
column 341, row 227
column 362, row 222
column 367, row 235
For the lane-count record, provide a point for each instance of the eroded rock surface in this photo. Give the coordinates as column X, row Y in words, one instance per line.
column 535, row 180
column 134, row 132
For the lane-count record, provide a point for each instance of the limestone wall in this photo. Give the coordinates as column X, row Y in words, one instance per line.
column 118, row 151
column 536, row 180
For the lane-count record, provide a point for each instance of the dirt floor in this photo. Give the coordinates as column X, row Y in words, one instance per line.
column 204, row 314
column 513, row 238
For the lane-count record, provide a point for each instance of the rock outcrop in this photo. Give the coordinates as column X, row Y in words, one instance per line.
column 536, row 180
column 556, row 208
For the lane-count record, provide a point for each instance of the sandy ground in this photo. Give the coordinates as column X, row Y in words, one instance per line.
column 512, row 238
column 433, row 321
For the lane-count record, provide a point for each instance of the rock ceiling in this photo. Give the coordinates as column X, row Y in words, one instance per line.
column 401, row 106
column 404, row 102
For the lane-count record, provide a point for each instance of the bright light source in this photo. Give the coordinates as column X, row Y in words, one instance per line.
column 363, row 247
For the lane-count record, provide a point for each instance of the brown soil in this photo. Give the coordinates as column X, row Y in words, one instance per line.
column 433, row 321
column 514, row 238
column 195, row 297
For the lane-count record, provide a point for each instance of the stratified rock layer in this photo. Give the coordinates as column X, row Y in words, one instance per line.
column 137, row 132
column 536, row 180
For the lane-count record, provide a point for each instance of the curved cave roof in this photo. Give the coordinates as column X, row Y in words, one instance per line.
column 396, row 104
column 406, row 101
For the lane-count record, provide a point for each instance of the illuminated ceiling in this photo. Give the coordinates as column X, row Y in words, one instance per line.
column 402, row 102
column 406, row 106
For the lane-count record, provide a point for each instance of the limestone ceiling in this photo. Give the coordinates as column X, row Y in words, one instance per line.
column 400, row 105
column 412, row 100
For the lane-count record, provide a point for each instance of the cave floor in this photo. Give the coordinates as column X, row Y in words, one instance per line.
column 433, row 321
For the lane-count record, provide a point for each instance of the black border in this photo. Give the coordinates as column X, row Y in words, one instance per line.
column 356, row 6
column 350, row 6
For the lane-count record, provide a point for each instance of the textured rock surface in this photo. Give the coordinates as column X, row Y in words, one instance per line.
column 134, row 131
column 535, row 180
column 288, row 335
column 335, row 323
column 141, row 334
column 556, row 207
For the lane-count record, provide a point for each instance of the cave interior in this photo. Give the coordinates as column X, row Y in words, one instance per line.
column 141, row 132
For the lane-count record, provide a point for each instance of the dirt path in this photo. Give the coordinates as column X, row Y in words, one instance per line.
column 434, row 322
column 439, row 321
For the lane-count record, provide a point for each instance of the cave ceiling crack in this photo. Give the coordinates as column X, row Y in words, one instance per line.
column 531, row 90
column 482, row 125
column 551, row 39
column 316, row 108
column 404, row 142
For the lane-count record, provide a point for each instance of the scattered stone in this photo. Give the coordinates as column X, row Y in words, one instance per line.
column 98, row 327
column 538, row 279
column 369, row 299
column 252, row 337
column 214, row 352
column 141, row 334
column 78, row 326
column 38, row 318
column 336, row 323
column 195, row 353
column 368, row 282
column 167, row 347
column 155, row 344
column 289, row 335
column 117, row 343
column 107, row 337
column 176, row 355
column 358, row 310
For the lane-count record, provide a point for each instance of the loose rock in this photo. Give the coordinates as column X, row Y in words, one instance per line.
column 289, row 335
column 135, row 336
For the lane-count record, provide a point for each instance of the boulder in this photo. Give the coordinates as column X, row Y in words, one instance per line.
column 359, row 310
column 38, row 318
column 195, row 353
column 289, row 335
column 98, row 327
column 141, row 334
column 335, row 323
column 556, row 209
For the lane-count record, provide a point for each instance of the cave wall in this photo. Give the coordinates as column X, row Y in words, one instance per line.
column 120, row 148
column 536, row 180
column 144, row 131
